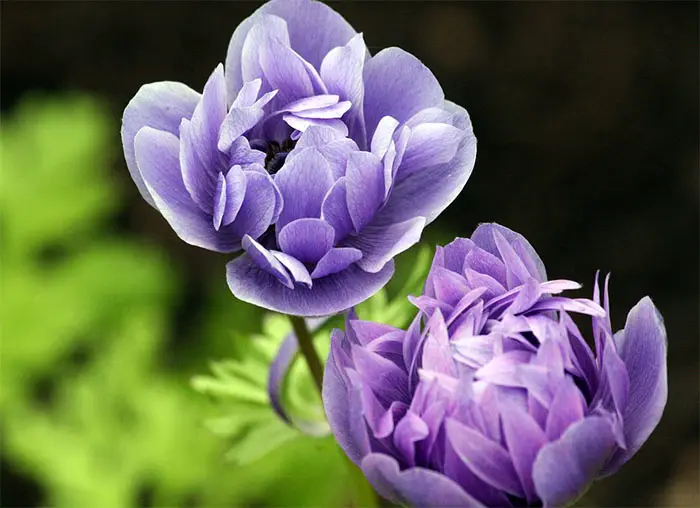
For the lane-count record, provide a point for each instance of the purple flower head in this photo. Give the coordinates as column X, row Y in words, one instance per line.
column 492, row 397
column 320, row 162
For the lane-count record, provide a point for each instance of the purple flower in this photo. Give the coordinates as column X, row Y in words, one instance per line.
column 492, row 396
column 316, row 160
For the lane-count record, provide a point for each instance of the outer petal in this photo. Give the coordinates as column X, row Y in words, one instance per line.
column 303, row 181
column 344, row 408
column 379, row 244
column 157, row 155
column 365, row 187
column 483, row 237
column 564, row 469
column 341, row 71
column 314, row 29
column 429, row 191
column 329, row 295
column 642, row 347
column 200, row 158
column 415, row 486
column 397, row 84
column 162, row 106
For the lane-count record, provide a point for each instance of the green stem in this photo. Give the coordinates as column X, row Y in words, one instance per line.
column 308, row 351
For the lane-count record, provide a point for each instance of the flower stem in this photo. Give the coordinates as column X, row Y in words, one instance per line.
column 308, row 351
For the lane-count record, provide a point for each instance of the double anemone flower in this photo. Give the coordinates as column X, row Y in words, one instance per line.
column 317, row 163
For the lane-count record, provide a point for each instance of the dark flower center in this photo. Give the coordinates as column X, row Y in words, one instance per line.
column 277, row 154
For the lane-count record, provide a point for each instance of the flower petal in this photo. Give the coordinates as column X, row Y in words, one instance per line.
column 308, row 240
column 487, row 459
column 329, row 295
column 380, row 243
column 429, row 144
column 258, row 209
column 343, row 408
column 161, row 106
column 524, row 439
column 564, row 469
column 426, row 193
column 303, row 181
column 264, row 260
column 397, row 84
column 483, row 236
column 335, row 260
column 365, row 187
column 341, row 71
column 415, row 486
column 157, row 156
column 642, row 347
column 335, row 210
column 200, row 158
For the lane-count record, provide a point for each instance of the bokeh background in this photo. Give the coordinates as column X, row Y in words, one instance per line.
column 587, row 119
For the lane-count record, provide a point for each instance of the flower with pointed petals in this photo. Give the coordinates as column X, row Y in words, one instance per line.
column 318, row 161
column 492, row 397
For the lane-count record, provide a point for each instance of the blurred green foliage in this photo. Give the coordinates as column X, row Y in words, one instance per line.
column 91, row 411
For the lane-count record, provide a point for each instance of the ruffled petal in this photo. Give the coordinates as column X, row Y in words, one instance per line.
column 564, row 469
column 161, row 106
column 329, row 295
column 200, row 158
column 365, row 187
column 259, row 206
column 429, row 144
column 157, row 157
column 335, row 210
column 397, row 84
column 304, row 182
column 426, row 193
column 483, row 237
column 335, row 260
column 341, row 71
column 487, row 459
column 642, row 346
column 415, row 486
column 308, row 240
column 380, row 243
column 343, row 408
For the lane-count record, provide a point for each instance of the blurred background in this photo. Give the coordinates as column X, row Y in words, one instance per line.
column 587, row 119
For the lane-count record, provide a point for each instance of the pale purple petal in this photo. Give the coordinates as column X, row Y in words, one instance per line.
column 308, row 240
column 334, row 210
column 343, row 409
column 295, row 268
column 379, row 243
column 161, row 106
column 257, row 212
column 335, row 260
column 483, row 236
column 264, row 260
column 200, row 159
column 487, row 459
column 157, row 157
column 564, row 469
column 642, row 346
column 342, row 71
column 428, row 192
column 329, row 295
column 567, row 408
column 430, row 144
column 365, row 187
column 524, row 439
column 397, row 84
column 303, row 182
column 414, row 486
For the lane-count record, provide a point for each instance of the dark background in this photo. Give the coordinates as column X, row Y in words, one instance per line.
column 587, row 120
